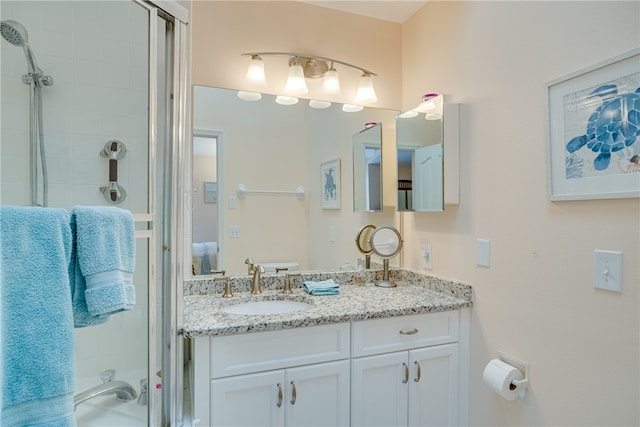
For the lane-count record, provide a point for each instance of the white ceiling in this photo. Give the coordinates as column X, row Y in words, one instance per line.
column 394, row 11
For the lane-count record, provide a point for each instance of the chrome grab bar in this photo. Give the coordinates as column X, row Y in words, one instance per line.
column 123, row 391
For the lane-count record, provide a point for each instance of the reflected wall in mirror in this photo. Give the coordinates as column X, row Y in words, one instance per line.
column 367, row 169
column 420, row 152
column 267, row 146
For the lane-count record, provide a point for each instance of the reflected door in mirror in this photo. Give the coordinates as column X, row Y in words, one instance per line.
column 367, row 169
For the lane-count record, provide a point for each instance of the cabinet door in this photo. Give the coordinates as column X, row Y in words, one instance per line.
column 249, row 400
column 318, row 395
column 379, row 390
column 433, row 386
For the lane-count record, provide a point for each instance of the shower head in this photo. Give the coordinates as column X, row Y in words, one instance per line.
column 15, row 33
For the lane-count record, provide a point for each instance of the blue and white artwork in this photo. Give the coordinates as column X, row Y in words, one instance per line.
column 602, row 129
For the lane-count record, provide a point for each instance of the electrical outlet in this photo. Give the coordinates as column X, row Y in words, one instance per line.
column 234, row 231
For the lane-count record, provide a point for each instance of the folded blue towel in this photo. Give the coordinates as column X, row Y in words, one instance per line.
column 38, row 360
column 325, row 287
column 104, row 252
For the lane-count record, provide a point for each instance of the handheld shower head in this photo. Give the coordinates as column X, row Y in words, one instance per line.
column 15, row 33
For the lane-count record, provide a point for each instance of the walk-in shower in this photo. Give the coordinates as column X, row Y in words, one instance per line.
column 16, row 34
column 120, row 75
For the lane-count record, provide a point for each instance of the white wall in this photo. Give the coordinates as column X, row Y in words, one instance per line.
column 536, row 301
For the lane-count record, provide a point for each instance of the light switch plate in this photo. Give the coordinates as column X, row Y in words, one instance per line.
column 426, row 257
column 607, row 270
column 483, row 252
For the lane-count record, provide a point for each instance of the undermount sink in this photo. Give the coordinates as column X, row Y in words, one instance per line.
column 255, row 308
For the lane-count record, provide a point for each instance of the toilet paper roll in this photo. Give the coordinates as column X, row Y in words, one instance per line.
column 498, row 376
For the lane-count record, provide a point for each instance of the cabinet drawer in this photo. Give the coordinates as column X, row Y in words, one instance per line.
column 245, row 353
column 403, row 332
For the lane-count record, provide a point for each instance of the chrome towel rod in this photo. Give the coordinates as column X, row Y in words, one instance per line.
column 242, row 192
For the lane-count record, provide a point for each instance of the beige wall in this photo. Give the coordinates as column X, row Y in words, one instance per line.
column 536, row 301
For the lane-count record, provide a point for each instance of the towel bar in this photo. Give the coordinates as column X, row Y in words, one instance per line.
column 242, row 192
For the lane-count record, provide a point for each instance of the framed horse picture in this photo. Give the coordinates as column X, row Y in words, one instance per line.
column 330, row 179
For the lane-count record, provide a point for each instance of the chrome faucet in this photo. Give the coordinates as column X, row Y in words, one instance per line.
column 257, row 269
column 122, row 390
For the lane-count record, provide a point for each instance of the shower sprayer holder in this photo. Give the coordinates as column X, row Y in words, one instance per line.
column 114, row 150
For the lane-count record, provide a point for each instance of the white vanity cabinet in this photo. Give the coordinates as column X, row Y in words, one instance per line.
column 405, row 371
column 408, row 370
column 293, row 377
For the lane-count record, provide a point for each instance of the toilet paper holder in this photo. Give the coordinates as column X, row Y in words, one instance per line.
column 523, row 367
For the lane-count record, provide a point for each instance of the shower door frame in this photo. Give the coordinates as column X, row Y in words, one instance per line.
column 175, row 132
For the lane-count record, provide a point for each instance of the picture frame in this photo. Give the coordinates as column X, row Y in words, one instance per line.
column 593, row 146
column 330, row 184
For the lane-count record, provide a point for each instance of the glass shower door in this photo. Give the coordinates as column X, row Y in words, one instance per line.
column 98, row 55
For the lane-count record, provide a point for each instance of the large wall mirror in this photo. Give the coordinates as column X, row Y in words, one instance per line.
column 266, row 146
column 367, row 169
column 420, row 154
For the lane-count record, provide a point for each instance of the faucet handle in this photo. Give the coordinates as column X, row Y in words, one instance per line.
column 279, row 269
column 250, row 265
column 287, row 282
column 223, row 272
column 227, row 293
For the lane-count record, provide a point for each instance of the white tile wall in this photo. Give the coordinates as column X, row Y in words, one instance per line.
column 99, row 93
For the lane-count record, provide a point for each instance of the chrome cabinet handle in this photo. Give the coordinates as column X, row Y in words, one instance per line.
column 411, row 332
column 406, row 373
column 418, row 371
column 293, row 393
column 279, row 404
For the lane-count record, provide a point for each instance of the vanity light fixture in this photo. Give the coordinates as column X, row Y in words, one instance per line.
column 319, row 105
column 351, row 108
column 286, row 100
column 304, row 65
column 431, row 107
column 366, row 93
column 249, row 96
column 295, row 83
column 255, row 77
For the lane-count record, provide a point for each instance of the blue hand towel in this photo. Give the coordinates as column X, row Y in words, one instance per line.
column 38, row 361
column 325, row 287
column 104, row 238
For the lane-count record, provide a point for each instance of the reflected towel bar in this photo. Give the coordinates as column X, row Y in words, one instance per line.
column 298, row 192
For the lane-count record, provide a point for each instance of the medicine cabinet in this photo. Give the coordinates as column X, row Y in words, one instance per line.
column 427, row 141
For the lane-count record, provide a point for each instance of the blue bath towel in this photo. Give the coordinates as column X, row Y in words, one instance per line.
column 104, row 252
column 38, row 361
column 325, row 287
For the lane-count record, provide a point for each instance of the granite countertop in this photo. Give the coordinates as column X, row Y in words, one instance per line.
column 203, row 315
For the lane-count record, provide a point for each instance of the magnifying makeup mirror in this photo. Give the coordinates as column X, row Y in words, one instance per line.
column 363, row 243
column 385, row 242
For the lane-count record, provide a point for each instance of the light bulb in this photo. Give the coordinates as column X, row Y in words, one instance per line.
column 408, row 114
column 255, row 73
column 331, row 82
column 295, row 83
column 366, row 93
